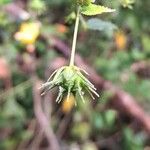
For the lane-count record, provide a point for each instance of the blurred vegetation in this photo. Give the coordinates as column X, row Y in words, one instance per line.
column 114, row 44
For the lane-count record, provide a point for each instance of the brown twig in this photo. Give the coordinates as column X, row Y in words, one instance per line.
column 62, row 128
column 31, row 128
column 41, row 117
column 15, row 11
column 37, row 140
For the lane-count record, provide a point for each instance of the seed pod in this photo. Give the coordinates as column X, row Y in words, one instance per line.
column 70, row 80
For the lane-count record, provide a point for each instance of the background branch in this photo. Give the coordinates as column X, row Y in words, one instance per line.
column 41, row 116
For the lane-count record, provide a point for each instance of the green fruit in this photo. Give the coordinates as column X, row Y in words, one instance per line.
column 69, row 80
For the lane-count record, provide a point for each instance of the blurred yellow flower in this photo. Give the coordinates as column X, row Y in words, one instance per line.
column 120, row 40
column 68, row 103
column 28, row 33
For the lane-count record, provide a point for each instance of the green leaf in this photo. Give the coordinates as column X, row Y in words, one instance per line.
column 101, row 25
column 127, row 3
column 93, row 9
column 3, row 2
column 110, row 117
column 81, row 130
column 13, row 109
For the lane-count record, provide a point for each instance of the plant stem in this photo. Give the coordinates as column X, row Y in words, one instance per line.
column 75, row 38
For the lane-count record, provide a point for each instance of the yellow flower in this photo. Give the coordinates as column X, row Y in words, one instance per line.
column 120, row 40
column 68, row 103
column 28, row 33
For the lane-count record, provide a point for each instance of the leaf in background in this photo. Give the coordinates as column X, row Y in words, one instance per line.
column 81, row 130
column 110, row 117
column 98, row 24
column 97, row 120
column 2, row 2
column 142, row 89
column 138, row 55
column 93, row 9
column 132, row 141
column 70, row 18
column 37, row 5
column 13, row 109
column 145, row 42
column 127, row 3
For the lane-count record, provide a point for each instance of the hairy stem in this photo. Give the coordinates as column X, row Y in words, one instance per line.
column 75, row 38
